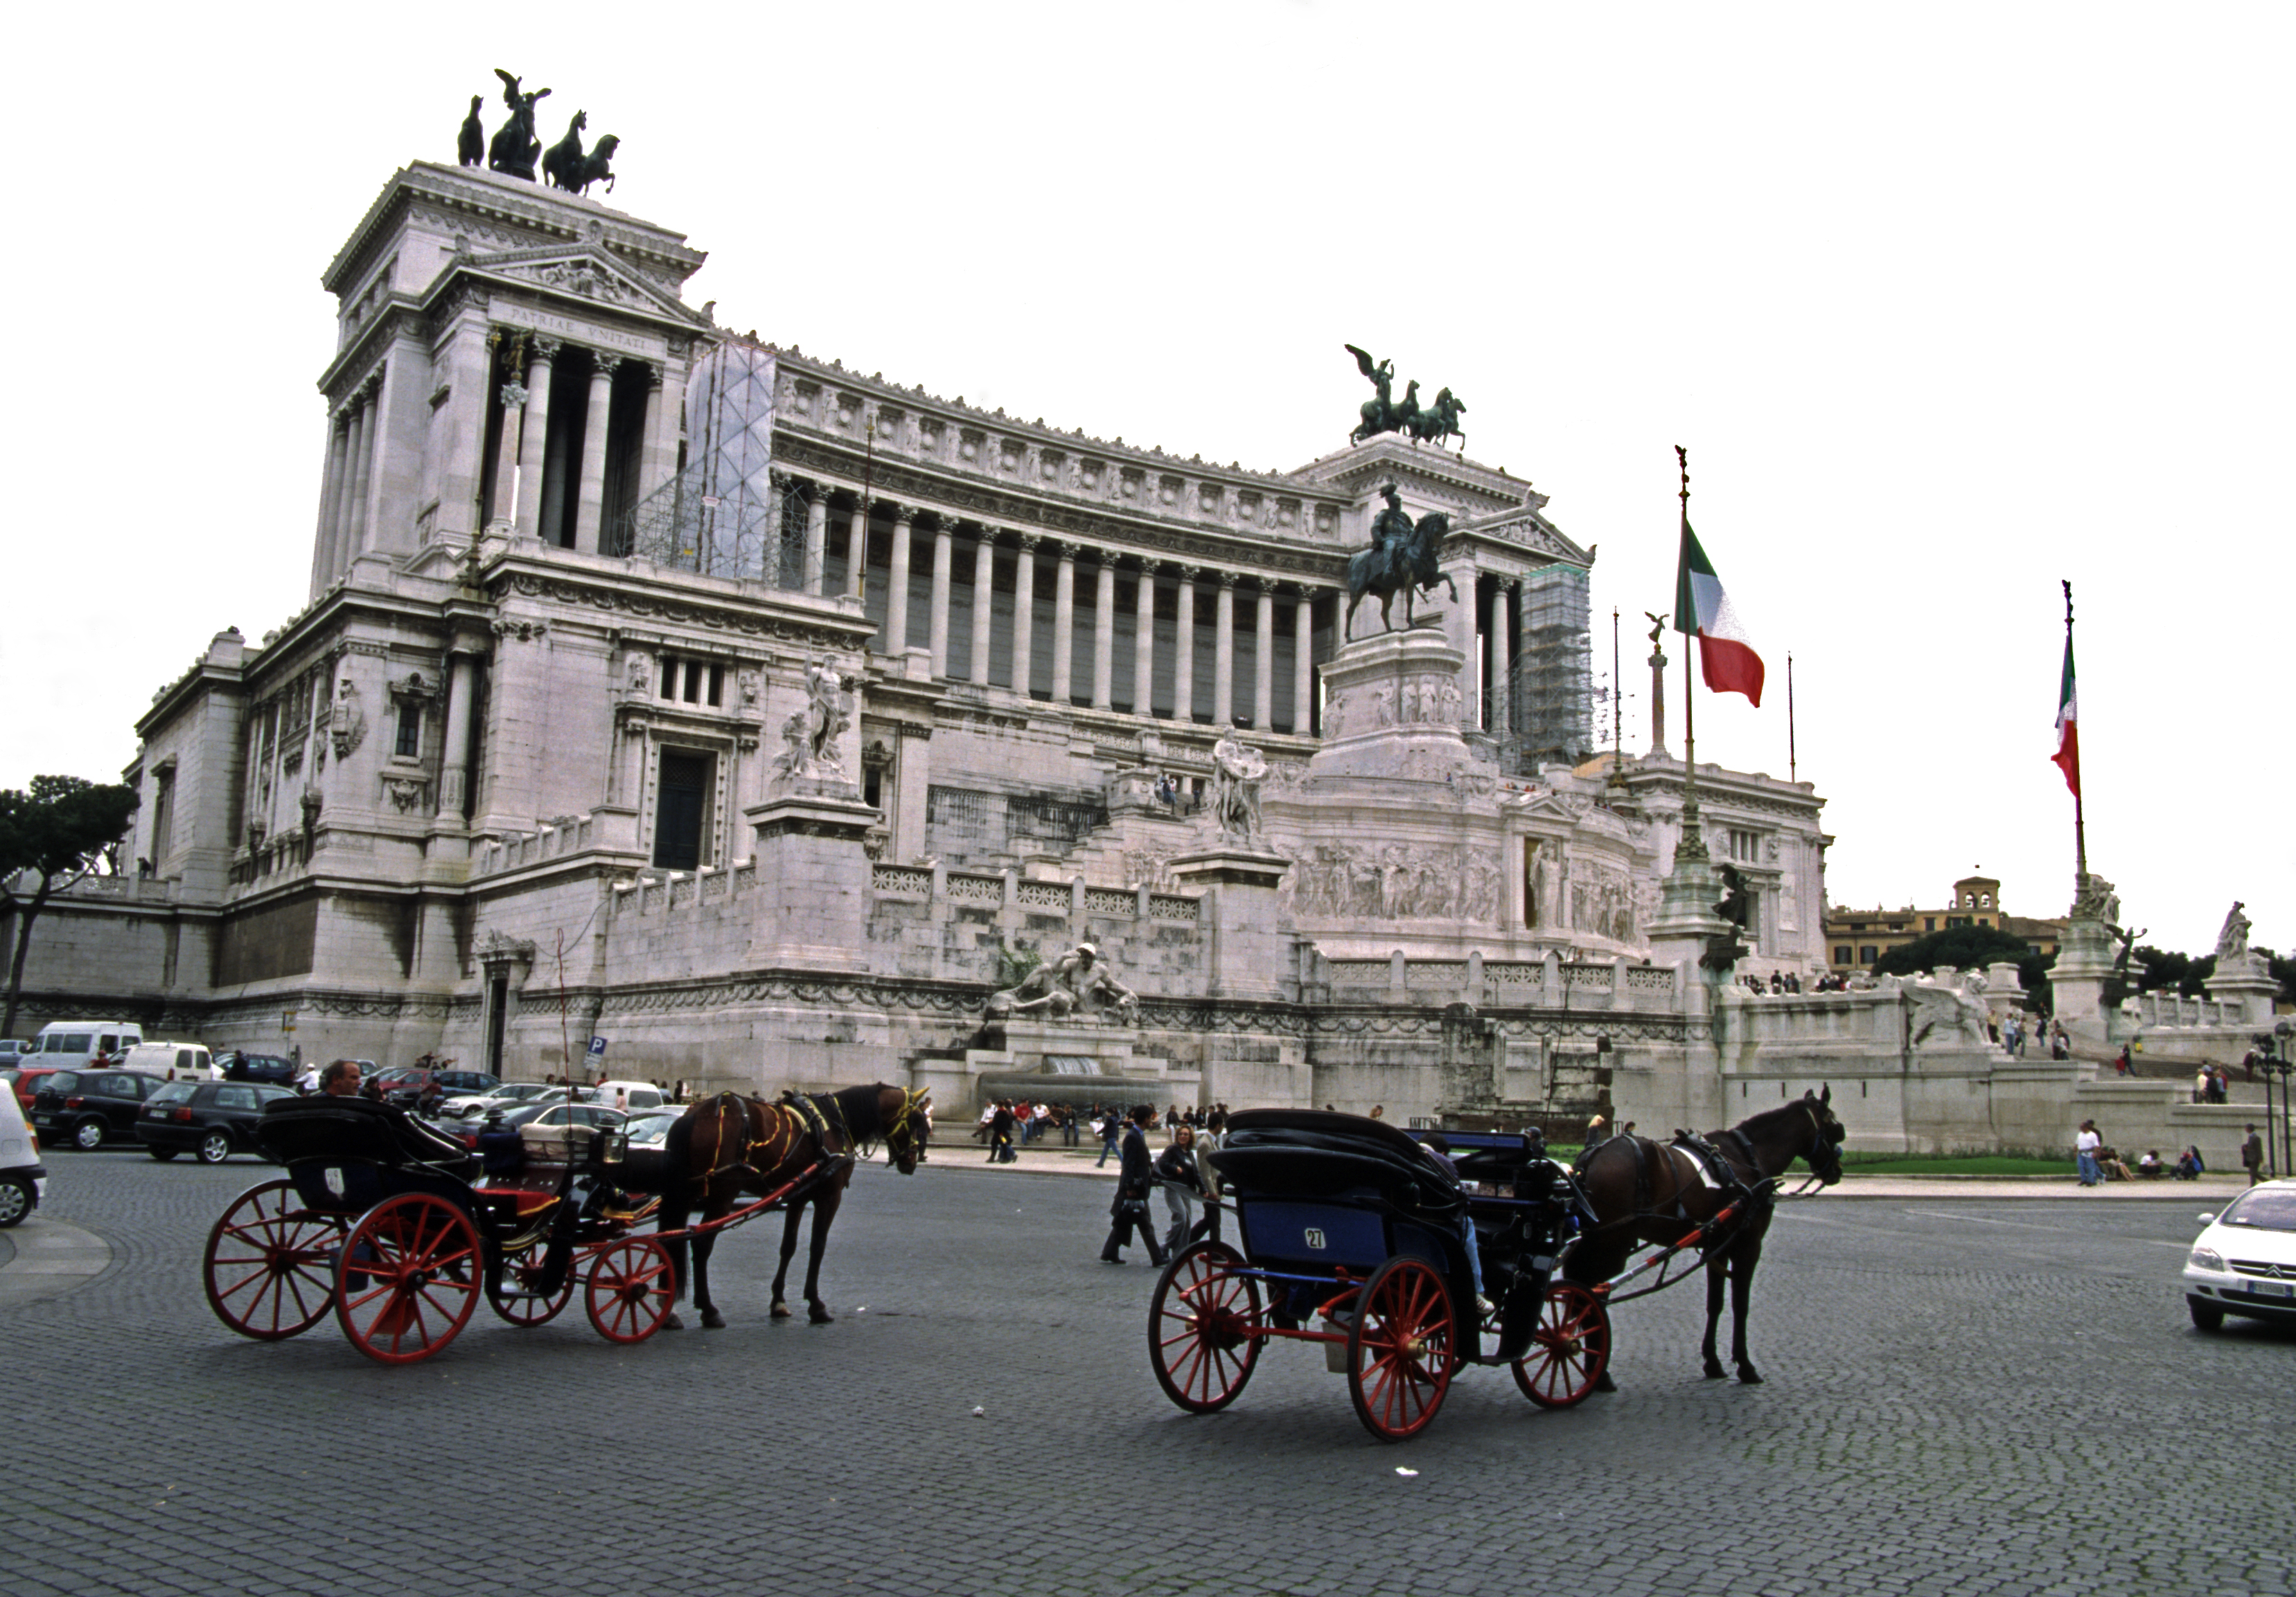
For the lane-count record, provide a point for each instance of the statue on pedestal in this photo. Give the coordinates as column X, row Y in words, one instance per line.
column 1237, row 771
column 471, row 145
column 1438, row 424
column 813, row 735
column 2096, row 900
column 516, row 145
column 2232, row 942
column 1401, row 560
column 565, row 166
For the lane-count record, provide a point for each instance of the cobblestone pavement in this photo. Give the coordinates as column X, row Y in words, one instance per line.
column 1965, row 1395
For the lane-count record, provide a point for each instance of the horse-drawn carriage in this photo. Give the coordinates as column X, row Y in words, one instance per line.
column 1355, row 1237
column 399, row 1230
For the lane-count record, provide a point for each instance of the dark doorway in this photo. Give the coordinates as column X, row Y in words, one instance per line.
column 681, row 801
column 497, row 1021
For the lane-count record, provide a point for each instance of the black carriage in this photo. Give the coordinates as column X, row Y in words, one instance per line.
column 1355, row 1237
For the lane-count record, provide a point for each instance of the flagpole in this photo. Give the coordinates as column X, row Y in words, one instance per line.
column 1792, row 775
column 2080, row 830
column 1693, row 842
column 1618, row 723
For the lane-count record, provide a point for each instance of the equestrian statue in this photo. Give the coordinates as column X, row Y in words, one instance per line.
column 1401, row 560
column 1438, row 424
column 565, row 166
column 516, row 145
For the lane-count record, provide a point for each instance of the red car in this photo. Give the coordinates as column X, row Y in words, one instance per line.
column 28, row 1082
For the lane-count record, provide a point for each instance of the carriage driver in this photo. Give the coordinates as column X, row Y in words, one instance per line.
column 341, row 1079
column 1439, row 1149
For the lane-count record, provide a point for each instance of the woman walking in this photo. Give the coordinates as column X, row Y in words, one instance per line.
column 1176, row 1168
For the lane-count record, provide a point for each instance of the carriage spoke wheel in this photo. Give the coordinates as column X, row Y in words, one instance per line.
column 1203, row 1328
column 270, row 1263
column 514, row 1292
column 1400, row 1352
column 629, row 1288
column 1569, row 1351
column 407, row 1278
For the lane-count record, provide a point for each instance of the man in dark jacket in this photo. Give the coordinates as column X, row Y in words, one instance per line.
column 1133, row 1176
column 1000, row 1136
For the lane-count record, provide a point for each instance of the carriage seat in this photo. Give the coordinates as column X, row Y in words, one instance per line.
column 357, row 1130
column 1321, row 1154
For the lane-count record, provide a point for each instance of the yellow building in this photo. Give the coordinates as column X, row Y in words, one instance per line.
column 1855, row 939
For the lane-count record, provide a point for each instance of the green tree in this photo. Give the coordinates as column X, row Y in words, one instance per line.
column 1964, row 947
column 56, row 834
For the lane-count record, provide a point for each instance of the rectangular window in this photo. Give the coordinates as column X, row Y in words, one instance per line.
column 694, row 681
column 410, row 729
column 716, row 684
column 1867, row 954
column 1842, row 955
column 1929, row 922
column 668, row 677
column 681, row 806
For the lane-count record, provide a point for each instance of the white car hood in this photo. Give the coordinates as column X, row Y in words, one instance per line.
column 2249, row 1242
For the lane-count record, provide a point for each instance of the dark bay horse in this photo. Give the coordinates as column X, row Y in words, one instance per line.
column 727, row 1146
column 1645, row 1191
column 1408, row 567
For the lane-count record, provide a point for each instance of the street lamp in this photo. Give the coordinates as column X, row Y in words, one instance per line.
column 2274, row 1058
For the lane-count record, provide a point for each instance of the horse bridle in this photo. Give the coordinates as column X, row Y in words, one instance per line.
column 1830, row 1172
column 900, row 1137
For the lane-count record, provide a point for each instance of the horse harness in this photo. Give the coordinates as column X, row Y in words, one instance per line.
column 795, row 1115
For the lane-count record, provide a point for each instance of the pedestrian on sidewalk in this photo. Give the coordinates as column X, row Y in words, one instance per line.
column 2251, row 1156
column 1215, row 1135
column 1000, row 1135
column 1112, row 1131
column 1135, row 1175
column 1182, row 1184
column 2085, row 1147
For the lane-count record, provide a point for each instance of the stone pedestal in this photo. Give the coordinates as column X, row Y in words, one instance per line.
column 1246, row 952
column 2245, row 990
column 2077, row 977
column 1392, row 707
column 813, row 877
column 1686, row 921
column 1074, row 1060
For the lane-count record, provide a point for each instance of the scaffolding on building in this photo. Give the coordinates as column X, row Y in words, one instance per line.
column 727, row 513
column 1550, row 682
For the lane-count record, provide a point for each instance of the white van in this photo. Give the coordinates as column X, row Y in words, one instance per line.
column 23, row 1181
column 630, row 1097
column 171, row 1061
column 68, row 1043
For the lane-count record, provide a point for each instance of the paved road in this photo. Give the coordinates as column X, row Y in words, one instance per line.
column 1966, row 1396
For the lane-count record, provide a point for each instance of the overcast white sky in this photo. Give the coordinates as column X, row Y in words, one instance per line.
column 1948, row 301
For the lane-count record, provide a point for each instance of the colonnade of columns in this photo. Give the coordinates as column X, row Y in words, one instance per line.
column 969, row 658
column 525, row 442
column 345, row 491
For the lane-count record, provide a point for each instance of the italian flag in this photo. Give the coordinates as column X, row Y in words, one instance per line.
column 1725, row 657
column 2068, row 754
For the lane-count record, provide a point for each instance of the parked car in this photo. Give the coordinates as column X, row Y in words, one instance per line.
column 90, row 1108
column 418, row 1088
column 23, row 1179
column 631, row 1097
column 2244, row 1263
column 214, row 1120
column 170, row 1061
column 13, row 1050
column 538, row 1114
column 28, row 1081
column 271, row 1070
column 647, row 1161
column 510, row 1094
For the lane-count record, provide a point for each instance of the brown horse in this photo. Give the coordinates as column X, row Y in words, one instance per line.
column 1642, row 1192
column 727, row 1146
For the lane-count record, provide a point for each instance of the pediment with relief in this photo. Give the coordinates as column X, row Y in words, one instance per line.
column 585, row 274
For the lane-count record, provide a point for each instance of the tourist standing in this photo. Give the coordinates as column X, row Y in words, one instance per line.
column 1000, row 1133
column 2085, row 1147
column 2201, row 1084
column 2251, row 1156
column 1176, row 1169
column 1135, row 1175
column 1214, row 1137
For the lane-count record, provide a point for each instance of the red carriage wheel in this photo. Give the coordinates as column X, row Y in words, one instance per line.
column 270, row 1263
column 1400, row 1352
column 515, row 1296
column 407, row 1278
column 629, row 1288
column 1203, row 1328
column 1569, row 1351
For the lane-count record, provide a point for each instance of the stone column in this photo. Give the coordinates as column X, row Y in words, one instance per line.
column 502, row 513
column 323, row 537
column 1184, row 648
column 897, row 586
column 944, row 557
column 984, row 601
column 1063, row 623
column 1104, row 633
column 590, row 505
column 649, row 430
column 455, row 753
column 816, row 537
column 1024, row 614
column 667, row 424
column 1263, row 665
column 1502, row 715
column 1224, row 652
column 1303, row 663
column 1144, row 641
column 856, row 551
column 339, row 534
column 356, row 534
column 534, row 438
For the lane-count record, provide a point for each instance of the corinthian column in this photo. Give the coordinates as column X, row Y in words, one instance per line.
column 1024, row 614
column 816, row 537
column 1303, row 663
column 944, row 556
column 1502, row 712
column 454, row 756
column 362, row 477
column 1144, row 642
column 1224, row 652
column 1184, row 648
column 331, row 490
column 589, row 508
column 1263, row 664
column 1104, row 633
column 896, row 585
column 534, row 438
column 984, row 601
column 1063, row 623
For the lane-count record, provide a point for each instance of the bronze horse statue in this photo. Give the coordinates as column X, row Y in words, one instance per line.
column 565, row 166
column 1397, row 562
column 1644, row 1191
column 729, row 1145
column 515, row 143
column 1439, row 424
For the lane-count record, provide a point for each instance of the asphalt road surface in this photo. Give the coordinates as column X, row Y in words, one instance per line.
column 1962, row 1396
